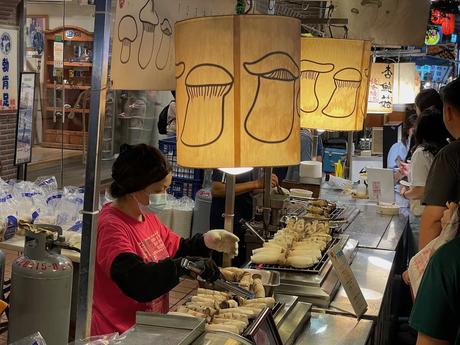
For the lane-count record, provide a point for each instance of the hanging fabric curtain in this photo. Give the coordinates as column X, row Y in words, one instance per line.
column 380, row 99
column 237, row 83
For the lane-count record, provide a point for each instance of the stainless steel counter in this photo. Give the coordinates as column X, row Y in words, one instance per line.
column 372, row 269
column 370, row 229
column 324, row 329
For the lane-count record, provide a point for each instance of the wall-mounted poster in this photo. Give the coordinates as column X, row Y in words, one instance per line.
column 380, row 99
column 35, row 34
column 8, row 69
column 143, row 40
column 23, row 151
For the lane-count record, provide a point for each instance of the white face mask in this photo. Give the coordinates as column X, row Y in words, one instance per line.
column 157, row 202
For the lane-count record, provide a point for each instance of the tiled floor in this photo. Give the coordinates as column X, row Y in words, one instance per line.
column 177, row 296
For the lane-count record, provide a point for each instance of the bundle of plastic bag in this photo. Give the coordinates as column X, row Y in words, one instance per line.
column 30, row 200
column 8, row 216
column 419, row 262
column 182, row 217
column 34, row 339
column 165, row 212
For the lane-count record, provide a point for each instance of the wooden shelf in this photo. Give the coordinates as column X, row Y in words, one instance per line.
column 75, row 110
column 72, row 64
column 69, row 87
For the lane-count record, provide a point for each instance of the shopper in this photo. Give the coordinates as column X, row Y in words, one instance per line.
column 425, row 99
column 246, row 184
column 443, row 183
column 138, row 259
column 306, row 148
column 430, row 137
column 435, row 315
column 398, row 151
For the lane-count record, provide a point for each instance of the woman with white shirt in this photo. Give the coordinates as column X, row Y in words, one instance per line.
column 430, row 137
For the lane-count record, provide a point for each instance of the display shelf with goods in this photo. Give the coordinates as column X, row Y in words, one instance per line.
column 67, row 89
column 186, row 181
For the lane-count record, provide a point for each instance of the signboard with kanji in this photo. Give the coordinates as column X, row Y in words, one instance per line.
column 8, row 71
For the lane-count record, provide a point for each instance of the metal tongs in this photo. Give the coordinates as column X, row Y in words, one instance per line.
column 219, row 283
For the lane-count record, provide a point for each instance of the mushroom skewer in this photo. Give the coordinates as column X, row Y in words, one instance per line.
column 149, row 20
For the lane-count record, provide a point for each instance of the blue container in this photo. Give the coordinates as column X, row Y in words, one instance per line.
column 168, row 148
column 332, row 155
column 184, row 187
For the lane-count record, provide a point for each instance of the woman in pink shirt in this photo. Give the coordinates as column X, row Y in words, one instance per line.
column 137, row 257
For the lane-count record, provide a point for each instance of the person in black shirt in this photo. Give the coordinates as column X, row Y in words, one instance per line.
column 246, row 183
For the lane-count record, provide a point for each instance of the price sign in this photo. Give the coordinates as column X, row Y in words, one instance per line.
column 58, row 54
column 348, row 280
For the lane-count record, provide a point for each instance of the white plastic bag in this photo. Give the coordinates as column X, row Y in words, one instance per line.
column 182, row 217
column 419, row 262
column 34, row 339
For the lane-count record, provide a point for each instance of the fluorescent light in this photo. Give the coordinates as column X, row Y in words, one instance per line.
column 235, row 171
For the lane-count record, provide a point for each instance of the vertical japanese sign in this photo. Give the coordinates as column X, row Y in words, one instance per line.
column 380, row 99
column 9, row 71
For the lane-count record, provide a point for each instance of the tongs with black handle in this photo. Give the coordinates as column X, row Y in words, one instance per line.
column 219, row 283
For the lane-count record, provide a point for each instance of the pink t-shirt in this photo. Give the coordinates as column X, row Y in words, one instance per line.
column 118, row 233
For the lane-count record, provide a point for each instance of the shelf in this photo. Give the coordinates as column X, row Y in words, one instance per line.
column 73, row 64
column 75, row 110
column 69, row 87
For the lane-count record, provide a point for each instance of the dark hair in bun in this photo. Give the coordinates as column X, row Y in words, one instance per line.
column 137, row 167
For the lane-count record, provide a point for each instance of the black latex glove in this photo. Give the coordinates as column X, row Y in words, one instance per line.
column 210, row 271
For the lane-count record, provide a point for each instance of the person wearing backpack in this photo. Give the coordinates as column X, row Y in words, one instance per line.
column 167, row 118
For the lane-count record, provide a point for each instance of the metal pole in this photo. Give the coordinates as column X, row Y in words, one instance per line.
column 349, row 154
column 102, row 28
column 267, row 192
column 21, row 22
column 314, row 144
column 229, row 210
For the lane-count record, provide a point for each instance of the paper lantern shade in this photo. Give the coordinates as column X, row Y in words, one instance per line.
column 406, row 83
column 380, row 99
column 237, row 82
column 333, row 87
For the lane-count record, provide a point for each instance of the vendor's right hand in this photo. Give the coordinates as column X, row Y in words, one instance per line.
column 210, row 271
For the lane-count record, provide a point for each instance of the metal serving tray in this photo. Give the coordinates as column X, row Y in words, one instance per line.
column 316, row 269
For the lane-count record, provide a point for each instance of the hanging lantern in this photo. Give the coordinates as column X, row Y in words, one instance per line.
column 380, row 99
column 406, row 83
column 436, row 17
column 237, row 83
column 448, row 24
column 333, row 87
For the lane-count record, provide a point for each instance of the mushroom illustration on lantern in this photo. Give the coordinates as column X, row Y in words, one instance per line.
column 127, row 34
column 149, row 20
column 276, row 73
column 345, row 96
column 162, row 57
column 180, row 69
column 309, row 73
column 206, row 85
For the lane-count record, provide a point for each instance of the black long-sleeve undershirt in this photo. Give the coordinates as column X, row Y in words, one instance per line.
column 144, row 282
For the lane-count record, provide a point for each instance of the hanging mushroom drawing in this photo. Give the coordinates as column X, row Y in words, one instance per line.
column 127, row 34
column 180, row 69
column 149, row 20
column 276, row 73
column 206, row 85
column 162, row 57
column 345, row 96
column 310, row 72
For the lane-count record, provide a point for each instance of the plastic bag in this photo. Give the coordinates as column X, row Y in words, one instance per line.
column 47, row 183
column 182, row 217
column 8, row 216
column 108, row 339
column 419, row 262
column 34, row 339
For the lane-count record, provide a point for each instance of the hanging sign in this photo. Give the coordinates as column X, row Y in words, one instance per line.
column 433, row 35
column 143, row 40
column 9, row 70
column 380, row 99
column 348, row 280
